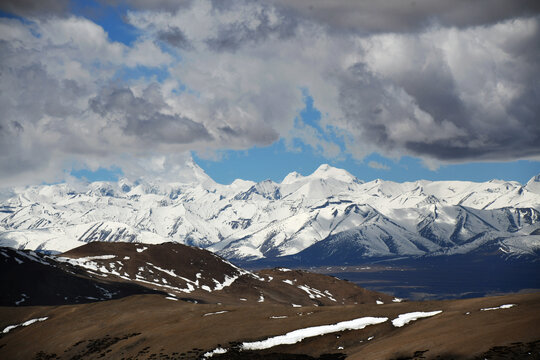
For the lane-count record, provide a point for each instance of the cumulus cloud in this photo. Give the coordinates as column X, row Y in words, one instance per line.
column 143, row 119
column 447, row 82
column 450, row 95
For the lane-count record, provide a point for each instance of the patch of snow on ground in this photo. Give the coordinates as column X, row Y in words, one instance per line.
column 505, row 306
column 216, row 313
column 404, row 319
column 296, row 305
column 379, row 302
column 315, row 293
column 169, row 272
column 298, row 335
column 171, row 298
column 215, row 351
column 97, row 257
column 288, row 282
column 278, row 317
column 23, row 299
column 397, row 300
column 26, row 323
column 261, row 298
column 139, row 250
column 370, row 338
column 284, row 269
column 227, row 282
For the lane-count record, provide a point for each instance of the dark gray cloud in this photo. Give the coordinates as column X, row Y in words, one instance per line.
column 425, row 111
column 175, row 37
column 35, row 7
column 144, row 119
column 230, row 37
column 366, row 16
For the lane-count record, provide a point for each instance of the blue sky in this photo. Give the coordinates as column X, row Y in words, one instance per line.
column 123, row 83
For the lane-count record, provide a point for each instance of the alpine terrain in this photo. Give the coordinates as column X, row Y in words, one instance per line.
column 329, row 215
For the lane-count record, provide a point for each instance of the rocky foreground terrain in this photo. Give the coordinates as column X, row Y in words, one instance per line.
column 171, row 301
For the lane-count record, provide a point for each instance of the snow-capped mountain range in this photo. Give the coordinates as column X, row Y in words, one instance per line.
column 329, row 209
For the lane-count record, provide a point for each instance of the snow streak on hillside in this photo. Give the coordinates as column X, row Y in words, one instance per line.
column 329, row 211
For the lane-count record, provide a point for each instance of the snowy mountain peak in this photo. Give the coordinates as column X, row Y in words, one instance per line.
column 326, row 171
column 266, row 219
column 192, row 173
column 242, row 184
column 292, row 177
column 534, row 184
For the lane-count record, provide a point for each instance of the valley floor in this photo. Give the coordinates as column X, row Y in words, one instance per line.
column 157, row 327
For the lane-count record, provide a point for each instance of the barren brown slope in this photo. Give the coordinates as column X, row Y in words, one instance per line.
column 28, row 278
column 198, row 275
column 151, row 326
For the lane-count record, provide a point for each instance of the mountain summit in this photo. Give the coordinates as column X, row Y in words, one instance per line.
column 329, row 213
column 326, row 172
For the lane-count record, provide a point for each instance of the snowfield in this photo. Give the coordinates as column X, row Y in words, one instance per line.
column 323, row 212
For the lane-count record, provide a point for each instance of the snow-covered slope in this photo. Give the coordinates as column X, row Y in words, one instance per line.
column 247, row 220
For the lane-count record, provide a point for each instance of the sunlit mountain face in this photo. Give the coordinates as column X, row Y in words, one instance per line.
column 329, row 210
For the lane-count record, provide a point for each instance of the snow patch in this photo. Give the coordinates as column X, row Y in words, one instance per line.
column 315, row 293
column 26, row 323
column 216, row 313
column 505, row 306
column 298, row 335
column 139, row 250
column 97, row 257
column 379, row 302
column 214, row 352
column 404, row 319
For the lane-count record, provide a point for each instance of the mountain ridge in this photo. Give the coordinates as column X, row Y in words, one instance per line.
column 247, row 220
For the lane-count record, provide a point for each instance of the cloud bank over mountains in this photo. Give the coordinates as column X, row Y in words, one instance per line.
column 446, row 82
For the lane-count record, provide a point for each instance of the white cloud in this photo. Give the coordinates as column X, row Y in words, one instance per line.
column 236, row 74
column 378, row 165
